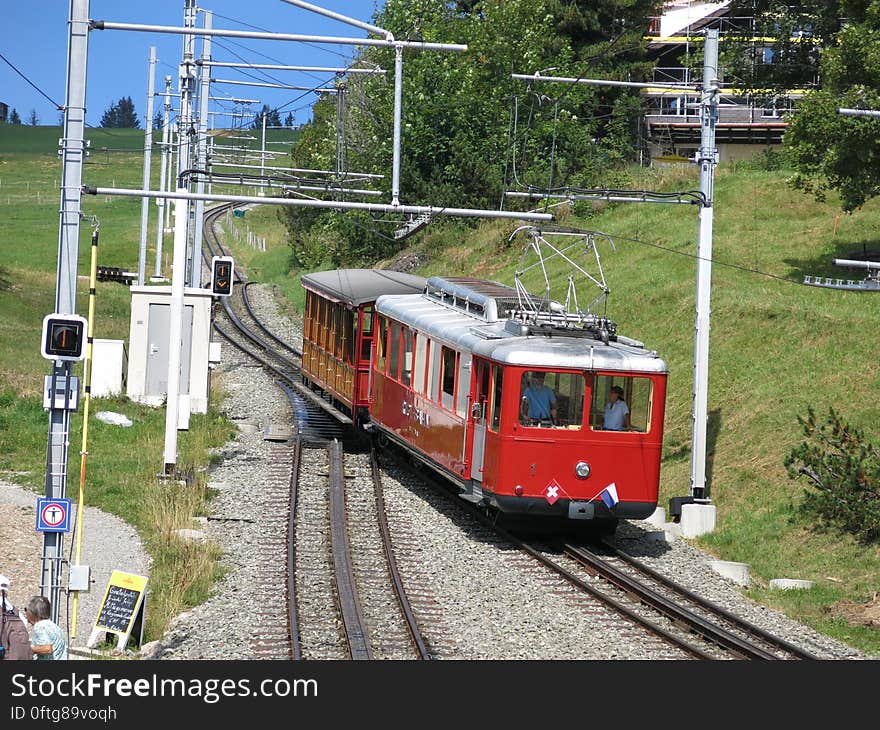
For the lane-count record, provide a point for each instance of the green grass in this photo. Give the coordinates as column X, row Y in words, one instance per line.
column 123, row 462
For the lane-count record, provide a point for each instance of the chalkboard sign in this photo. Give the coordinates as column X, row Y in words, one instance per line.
column 122, row 608
column 118, row 609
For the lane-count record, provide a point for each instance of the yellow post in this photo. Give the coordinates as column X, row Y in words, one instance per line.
column 84, row 454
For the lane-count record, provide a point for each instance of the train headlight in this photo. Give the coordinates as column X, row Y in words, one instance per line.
column 582, row 469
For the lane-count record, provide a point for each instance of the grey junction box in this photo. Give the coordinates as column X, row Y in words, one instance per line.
column 148, row 348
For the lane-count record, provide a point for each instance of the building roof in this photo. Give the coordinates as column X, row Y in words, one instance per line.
column 359, row 286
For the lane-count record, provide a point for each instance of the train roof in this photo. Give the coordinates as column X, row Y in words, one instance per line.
column 359, row 286
column 506, row 340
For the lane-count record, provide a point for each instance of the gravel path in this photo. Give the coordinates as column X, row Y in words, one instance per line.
column 108, row 544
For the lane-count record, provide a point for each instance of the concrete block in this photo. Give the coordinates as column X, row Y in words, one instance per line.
column 246, row 427
column 191, row 535
column 673, row 528
column 737, row 572
column 657, row 517
column 697, row 519
column 790, row 584
column 660, row 536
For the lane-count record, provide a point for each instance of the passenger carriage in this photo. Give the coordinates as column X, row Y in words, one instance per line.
column 338, row 330
column 450, row 367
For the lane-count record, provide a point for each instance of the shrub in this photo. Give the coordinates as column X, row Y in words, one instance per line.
column 843, row 470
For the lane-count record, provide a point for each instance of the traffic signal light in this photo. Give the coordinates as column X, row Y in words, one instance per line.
column 222, row 270
column 64, row 337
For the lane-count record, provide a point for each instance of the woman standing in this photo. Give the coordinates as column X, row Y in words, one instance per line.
column 47, row 639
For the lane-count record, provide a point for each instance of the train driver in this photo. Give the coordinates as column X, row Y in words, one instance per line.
column 616, row 411
column 538, row 402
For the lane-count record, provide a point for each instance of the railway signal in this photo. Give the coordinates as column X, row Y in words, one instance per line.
column 63, row 337
column 222, row 270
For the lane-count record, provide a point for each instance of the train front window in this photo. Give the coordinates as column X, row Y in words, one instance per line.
column 552, row 399
column 621, row 403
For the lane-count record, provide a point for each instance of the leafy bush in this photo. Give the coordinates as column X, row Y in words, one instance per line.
column 843, row 469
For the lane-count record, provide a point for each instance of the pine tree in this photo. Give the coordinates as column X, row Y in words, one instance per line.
column 33, row 119
column 14, row 119
column 273, row 118
column 121, row 115
column 158, row 121
column 288, row 120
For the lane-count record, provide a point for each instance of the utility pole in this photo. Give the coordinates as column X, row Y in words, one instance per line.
column 60, row 389
column 708, row 158
column 263, row 149
column 148, row 152
column 195, row 279
column 178, row 266
column 163, row 175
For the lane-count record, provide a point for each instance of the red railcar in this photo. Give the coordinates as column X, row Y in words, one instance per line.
column 338, row 330
column 456, row 373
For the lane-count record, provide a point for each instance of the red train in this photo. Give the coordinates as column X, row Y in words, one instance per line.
column 527, row 409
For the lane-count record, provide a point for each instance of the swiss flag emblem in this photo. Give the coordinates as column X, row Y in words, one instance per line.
column 551, row 491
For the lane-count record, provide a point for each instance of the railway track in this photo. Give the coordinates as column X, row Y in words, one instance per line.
column 334, row 553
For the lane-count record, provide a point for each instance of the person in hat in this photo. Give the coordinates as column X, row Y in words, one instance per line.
column 616, row 411
column 538, row 402
column 14, row 638
column 48, row 640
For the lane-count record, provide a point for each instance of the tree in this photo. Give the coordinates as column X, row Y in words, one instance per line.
column 4, row 113
column 288, row 120
column 813, row 45
column 459, row 108
column 14, row 118
column 273, row 118
column 158, row 121
column 121, row 115
column 33, row 119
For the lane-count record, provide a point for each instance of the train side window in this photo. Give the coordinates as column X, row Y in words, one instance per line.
column 464, row 379
column 419, row 366
column 497, row 386
column 349, row 316
column 394, row 351
column 621, row 403
column 434, row 372
column 447, row 398
column 307, row 325
column 406, row 365
column 368, row 320
column 380, row 345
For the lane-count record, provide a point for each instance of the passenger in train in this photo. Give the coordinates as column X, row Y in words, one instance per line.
column 538, row 402
column 616, row 411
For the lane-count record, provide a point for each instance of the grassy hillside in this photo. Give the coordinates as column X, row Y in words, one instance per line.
column 776, row 348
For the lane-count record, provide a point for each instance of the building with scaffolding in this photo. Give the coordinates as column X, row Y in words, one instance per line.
column 747, row 123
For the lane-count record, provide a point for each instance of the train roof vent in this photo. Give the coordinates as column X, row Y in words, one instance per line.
column 478, row 298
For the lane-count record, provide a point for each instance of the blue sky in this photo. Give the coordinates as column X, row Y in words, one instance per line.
column 33, row 36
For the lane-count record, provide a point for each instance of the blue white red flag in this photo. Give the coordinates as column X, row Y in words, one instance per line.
column 609, row 495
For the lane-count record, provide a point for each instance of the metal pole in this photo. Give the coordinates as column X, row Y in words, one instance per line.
column 282, row 67
column 708, row 158
column 343, row 18
column 398, row 98
column 185, row 119
column 84, row 452
column 163, row 176
column 178, row 266
column 202, row 146
column 289, row 37
column 432, row 210
column 72, row 155
column 236, row 82
column 148, row 152
column 263, row 149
